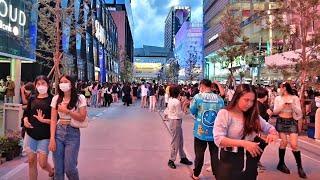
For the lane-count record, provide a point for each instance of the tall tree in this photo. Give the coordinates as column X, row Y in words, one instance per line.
column 233, row 43
column 56, row 19
column 172, row 71
column 126, row 66
column 192, row 70
column 298, row 26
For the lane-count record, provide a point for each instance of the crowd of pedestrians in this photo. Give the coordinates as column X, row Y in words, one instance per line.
column 230, row 121
column 234, row 123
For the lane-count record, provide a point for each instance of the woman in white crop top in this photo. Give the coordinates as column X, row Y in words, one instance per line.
column 287, row 107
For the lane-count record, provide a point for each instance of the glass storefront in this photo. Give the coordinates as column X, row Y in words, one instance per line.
column 18, row 29
column 18, row 32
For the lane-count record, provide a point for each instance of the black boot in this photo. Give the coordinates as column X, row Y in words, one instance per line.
column 185, row 161
column 297, row 156
column 282, row 166
column 171, row 164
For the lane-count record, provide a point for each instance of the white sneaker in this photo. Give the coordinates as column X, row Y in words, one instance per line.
column 317, row 140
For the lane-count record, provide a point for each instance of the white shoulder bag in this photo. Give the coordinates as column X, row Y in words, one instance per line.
column 78, row 124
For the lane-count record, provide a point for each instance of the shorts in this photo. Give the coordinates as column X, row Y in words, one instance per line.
column 31, row 145
column 287, row 125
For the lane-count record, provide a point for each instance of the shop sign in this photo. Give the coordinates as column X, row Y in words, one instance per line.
column 15, row 16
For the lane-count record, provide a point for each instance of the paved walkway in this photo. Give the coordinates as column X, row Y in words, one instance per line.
column 309, row 148
column 131, row 143
column 121, row 143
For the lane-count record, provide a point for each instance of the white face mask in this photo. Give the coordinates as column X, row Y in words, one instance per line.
column 42, row 89
column 65, row 87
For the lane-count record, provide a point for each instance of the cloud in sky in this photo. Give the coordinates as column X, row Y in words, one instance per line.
column 149, row 17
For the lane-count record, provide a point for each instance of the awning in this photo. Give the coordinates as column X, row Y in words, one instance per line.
column 285, row 59
column 281, row 59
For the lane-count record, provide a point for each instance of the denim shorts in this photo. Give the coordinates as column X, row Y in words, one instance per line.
column 31, row 145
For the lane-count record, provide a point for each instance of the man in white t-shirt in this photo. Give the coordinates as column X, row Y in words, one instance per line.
column 144, row 93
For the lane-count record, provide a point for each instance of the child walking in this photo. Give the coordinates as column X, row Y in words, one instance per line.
column 174, row 113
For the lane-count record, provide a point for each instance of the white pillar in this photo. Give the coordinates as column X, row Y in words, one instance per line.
column 15, row 73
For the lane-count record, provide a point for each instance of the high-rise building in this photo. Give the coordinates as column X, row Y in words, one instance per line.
column 89, row 41
column 149, row 62
column 17, row 42
column 122, row 15
column 251, row 26
column 176, row 17
column 189, row 51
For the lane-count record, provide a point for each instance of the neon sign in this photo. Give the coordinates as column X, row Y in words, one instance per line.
column 15, row 15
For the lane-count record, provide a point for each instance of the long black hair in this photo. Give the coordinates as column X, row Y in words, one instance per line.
column 74, row 93
column 251, row 116
column 288, row 88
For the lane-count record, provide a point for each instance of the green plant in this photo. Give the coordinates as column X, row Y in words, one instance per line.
column 4, row 143
column 9, row 144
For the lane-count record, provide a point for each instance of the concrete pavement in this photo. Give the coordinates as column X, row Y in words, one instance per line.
column 310, row 150
column 121, row 143
column 132, row 143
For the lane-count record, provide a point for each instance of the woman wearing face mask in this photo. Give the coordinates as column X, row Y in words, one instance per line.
column 65, row 139
column 235, row 133
column 37, row 122
column 287, row 107
column 27, row 91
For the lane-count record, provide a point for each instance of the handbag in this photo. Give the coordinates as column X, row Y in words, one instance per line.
column 78, row 124
column 262, row 143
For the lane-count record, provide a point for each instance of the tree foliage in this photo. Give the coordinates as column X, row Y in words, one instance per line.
column 233, row 43
column 126, row 66
column 54, row 19
column 192, row 70
column 172, row 72
column 297, row 22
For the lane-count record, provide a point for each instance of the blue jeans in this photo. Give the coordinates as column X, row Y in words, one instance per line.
column 94, row 100
column 65, row 157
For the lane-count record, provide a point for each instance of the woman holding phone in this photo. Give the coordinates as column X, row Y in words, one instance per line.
column 287, row 107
